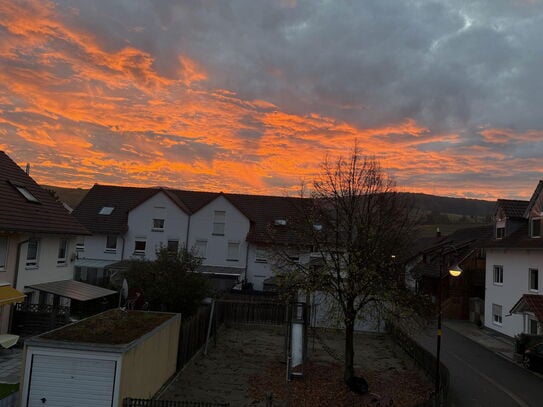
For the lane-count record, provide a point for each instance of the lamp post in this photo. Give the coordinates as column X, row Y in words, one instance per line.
column 455, row 272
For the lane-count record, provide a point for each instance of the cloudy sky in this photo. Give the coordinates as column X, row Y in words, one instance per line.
column 249, row 96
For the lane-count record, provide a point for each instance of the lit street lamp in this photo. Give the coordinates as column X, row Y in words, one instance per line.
column 454, row 271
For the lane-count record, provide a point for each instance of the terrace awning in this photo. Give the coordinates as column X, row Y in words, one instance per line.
column 9, row 295
column 75, row 290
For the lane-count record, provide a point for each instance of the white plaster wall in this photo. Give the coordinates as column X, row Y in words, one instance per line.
column 236, row 229
column 95, row 248
column 516, row 263
column 257, row 272
column 140, row 225
column 47, row 269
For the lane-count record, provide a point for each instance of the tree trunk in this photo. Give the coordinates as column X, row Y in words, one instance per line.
column 348, row 371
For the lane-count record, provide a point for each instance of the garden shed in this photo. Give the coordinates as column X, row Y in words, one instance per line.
column 101, row 360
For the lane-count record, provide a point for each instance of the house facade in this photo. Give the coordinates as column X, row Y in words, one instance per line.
column 514, row 267
column 231, row 233
column 37, row 236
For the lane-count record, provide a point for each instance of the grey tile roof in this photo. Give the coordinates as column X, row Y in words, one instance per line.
column 512, row 208
column 17, row 214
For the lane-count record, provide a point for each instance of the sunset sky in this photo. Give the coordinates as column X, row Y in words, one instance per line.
column 249, row 96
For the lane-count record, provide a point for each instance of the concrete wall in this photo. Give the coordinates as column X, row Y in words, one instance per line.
column 140, row 221
column 516, row 263
column 147, row 366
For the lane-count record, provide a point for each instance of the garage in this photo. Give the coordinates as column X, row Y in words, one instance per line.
column 70, row 380
column 101, row 360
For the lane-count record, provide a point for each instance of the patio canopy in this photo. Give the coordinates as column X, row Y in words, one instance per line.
column 9, row 295
column 529, row 303
column 75, row 290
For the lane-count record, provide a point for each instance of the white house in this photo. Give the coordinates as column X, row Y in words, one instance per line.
column 514, row 266
column 230, row 232
column 37, row 237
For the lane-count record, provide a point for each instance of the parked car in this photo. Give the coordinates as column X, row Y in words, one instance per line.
column 533, row 358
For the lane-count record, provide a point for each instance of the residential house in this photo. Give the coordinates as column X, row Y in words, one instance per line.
column 37, row 237
column 464, row 248
column 514, row 266
column 231, row 233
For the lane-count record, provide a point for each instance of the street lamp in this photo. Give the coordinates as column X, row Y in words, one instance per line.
column 454, row 271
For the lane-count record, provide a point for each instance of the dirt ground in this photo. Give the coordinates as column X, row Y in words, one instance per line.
column 248, row 362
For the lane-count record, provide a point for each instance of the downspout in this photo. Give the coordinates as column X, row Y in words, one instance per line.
column 188, row 234
column 16, row 276
column 246, row 263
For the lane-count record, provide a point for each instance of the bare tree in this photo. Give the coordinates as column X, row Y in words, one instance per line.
column 357, row 226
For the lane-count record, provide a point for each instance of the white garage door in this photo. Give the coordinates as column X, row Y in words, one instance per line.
column 60, row 381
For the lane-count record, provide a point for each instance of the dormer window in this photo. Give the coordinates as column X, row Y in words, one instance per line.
column 280, row 222
column 106, row 210
column 500, row 232
column 26, row 193
column 536, row 227
column 317, row 227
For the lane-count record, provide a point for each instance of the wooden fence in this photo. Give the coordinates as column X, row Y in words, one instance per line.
column 128, row 402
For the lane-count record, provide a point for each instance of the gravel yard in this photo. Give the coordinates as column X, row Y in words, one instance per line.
column 248, row 363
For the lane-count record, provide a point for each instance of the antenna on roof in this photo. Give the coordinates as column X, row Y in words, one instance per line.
column 27, row 169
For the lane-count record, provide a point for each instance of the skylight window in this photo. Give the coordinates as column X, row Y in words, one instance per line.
column 26, row 193
column 106, row 210
column 280, row 222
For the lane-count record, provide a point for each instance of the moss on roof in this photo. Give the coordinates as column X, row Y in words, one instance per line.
column 113, row 327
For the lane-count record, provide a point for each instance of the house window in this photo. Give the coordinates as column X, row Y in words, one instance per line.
column 106, row 210
column 233, row 251
column 536, row 227
column 534, row 279
column 261, row 256
column 80, row 247
column 500, row 233
column 200, row 248
column 497, row 314
column 62, row 252
column 139, row 246
column 32, row 253
column 173, row 246
column 111, row 243
column 3, row 252
column 219, row 220
column 158, row 225
column 294, row 259
column 498, row 275
column 26, row 193
column 532, row 326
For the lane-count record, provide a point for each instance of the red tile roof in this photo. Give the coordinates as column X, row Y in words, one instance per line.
column 17, row 214
column 530, row 302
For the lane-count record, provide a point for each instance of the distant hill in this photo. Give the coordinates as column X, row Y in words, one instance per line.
column 70, row 196
column 453, row 208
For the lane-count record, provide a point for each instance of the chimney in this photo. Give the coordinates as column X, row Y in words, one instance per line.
column 27, row 168
column 438, row 232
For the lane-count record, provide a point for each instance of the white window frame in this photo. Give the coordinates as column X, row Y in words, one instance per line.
column 231, row 253
column 61, row 261
column 497, row 274
column 109, row 247
column 33, row 262
column 497, row 317
column 533, row 271
column 80, row 247
column 4, row 245
column 140, row 251
column 219, row 223
column 200, row 248
column 158, row 225
column 168, row 245
column 261, row 256
column 529, row 325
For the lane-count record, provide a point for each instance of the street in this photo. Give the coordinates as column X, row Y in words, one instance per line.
column 479, row 377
